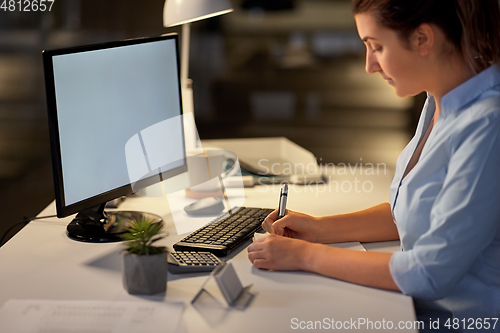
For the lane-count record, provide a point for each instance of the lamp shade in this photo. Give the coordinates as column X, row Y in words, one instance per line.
column 176, row 12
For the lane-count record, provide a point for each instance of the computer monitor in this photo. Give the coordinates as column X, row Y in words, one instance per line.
column 115, row 123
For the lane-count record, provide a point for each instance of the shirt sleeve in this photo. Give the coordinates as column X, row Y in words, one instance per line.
column 464, row 219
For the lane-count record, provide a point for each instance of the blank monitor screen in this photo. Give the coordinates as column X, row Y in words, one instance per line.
column 101, row 98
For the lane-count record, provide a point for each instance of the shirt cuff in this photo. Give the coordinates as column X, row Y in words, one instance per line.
column 410, row 276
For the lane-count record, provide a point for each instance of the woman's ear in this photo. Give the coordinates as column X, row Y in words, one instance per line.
column 423, row 38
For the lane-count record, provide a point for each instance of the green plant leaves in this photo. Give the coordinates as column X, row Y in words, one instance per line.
column 141, row 235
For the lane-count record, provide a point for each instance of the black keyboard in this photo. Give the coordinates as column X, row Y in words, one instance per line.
column 225, row 233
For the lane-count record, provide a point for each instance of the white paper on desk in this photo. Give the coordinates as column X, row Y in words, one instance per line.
column 42, row 316
column 346, row 245
column 349, row 245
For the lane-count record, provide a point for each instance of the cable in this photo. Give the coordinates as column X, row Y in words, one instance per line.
column 25, row 222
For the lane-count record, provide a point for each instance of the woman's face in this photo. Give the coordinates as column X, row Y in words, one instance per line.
column 386, row 54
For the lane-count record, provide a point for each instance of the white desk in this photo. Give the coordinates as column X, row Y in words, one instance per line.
column 42, row 263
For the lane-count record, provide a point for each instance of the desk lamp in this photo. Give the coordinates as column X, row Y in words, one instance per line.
column 183, row 12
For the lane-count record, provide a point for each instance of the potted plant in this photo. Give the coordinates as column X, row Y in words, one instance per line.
column 144, row 265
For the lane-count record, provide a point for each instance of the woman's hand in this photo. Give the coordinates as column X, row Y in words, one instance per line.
column 279, row 253
column 293, row 225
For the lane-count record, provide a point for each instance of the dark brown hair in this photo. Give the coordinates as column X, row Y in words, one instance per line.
column 472, row 26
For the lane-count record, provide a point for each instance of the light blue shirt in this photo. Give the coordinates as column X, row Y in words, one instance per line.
column 447, row 208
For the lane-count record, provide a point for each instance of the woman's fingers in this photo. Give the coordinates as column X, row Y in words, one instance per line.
column 255, row 255
column 259, row 259
column 275, row 252
column 256, row 244
column 272, row 225
column 255, row 250
column 269, row 220
column 280, row 226
column 284, row 226
column 261, row 264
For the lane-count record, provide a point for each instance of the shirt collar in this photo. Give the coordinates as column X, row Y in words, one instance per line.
column 470, row 90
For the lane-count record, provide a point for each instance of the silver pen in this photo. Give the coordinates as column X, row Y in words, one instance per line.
column 282, row 204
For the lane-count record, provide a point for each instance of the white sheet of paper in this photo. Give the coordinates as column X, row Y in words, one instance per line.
column 349, row 245
column 33, row 316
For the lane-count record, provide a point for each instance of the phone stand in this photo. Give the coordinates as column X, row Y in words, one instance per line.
column 224, row 284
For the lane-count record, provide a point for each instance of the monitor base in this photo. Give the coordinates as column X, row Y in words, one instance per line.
column 105, row 227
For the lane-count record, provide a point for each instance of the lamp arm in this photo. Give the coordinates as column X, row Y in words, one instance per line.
column 186, row 30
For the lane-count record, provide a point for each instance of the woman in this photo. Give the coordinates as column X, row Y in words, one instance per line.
column 445, row 197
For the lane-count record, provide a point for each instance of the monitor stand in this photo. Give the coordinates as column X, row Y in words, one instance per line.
column 97, row 226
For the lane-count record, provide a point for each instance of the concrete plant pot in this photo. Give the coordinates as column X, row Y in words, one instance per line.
column 146, row 274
